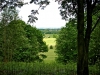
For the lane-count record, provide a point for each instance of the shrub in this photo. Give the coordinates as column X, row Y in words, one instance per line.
column 51, row 47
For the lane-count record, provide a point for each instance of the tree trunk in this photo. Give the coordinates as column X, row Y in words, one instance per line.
column 83, row 44
column 80, row 38
column 83, row 38
column 87, row 36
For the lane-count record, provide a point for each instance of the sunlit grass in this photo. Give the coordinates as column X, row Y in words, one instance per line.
column 50, row 41
column 50, row 54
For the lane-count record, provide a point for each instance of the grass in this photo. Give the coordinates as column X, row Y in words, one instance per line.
column 20, row 68
column 50, row 41
column 50, row 54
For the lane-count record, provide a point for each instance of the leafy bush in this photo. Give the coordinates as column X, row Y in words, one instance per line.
column 51, row 47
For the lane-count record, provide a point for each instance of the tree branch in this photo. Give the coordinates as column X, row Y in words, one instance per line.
column 95, row 25
column 74, row 6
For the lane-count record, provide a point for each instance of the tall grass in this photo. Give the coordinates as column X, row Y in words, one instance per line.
column 22, row 68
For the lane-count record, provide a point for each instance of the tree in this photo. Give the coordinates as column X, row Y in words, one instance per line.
column 36, row 40
column 69, row 36
column 7, row 15
column 82, row 63
column 25, row 42
column 19, row 42
column 19, row 3
column 66, row 43
column 83, row 11
column 13, row 34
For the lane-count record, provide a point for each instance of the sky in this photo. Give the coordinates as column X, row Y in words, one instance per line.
column 47, row 18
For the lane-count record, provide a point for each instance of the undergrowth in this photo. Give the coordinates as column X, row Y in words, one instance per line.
column 22, row 68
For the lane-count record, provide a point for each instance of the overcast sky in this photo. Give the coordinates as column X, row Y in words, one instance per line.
column 47, row 18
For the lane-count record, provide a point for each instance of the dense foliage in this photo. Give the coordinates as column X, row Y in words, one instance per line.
column 21, row 42
column 83, row 10
column 94, row 49
column 66, row 43
column 66, row 47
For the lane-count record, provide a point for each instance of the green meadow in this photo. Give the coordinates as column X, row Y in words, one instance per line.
column 50, row 54
column 50, row 41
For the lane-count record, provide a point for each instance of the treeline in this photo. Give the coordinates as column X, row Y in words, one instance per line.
column 50, row 31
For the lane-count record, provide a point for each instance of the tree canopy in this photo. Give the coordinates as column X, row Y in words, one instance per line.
column 66, row 43
column 21, row 42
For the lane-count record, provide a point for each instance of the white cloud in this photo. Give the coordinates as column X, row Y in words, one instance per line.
column 47, row 18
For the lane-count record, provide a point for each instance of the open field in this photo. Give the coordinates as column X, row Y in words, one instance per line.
column 50, row 54
column 50, row 41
